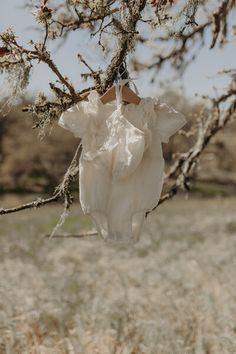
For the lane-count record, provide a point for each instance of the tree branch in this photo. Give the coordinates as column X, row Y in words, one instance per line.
column 216, row 120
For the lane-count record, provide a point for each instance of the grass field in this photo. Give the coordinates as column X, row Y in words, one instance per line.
column 174, row 292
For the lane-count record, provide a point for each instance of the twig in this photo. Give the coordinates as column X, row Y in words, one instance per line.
column 31, row 205
column 60, row 191
column 46, row 34
column 215, row 121
column 89, row 234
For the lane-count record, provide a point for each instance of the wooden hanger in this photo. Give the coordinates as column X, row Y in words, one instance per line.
column 127, row 95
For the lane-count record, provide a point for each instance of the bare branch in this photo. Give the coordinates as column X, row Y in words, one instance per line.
column 208, row 128
column 62, row 190
column 31, row 205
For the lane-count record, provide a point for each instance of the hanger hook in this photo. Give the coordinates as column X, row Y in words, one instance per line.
column 122, row 72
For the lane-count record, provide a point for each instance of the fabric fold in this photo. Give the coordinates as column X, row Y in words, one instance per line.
column 126, row 144
column 121, row 170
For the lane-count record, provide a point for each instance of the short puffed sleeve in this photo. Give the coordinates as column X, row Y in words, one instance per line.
column 167, row 120
column 75, row 119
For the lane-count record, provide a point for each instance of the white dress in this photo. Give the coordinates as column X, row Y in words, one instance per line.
column 121, row 166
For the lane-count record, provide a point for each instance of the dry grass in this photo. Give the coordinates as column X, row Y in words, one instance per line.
column 172, row 293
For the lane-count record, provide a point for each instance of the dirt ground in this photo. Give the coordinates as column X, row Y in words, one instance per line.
column 174, row 292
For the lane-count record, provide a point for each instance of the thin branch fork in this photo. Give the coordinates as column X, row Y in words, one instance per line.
column 42, row 56
column 60, row 190
column 31, row 205
column 83, row 235
column 218, row 22
column 207, row 130
column 76, row 24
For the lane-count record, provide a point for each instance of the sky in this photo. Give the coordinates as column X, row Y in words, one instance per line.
column 201, row 77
